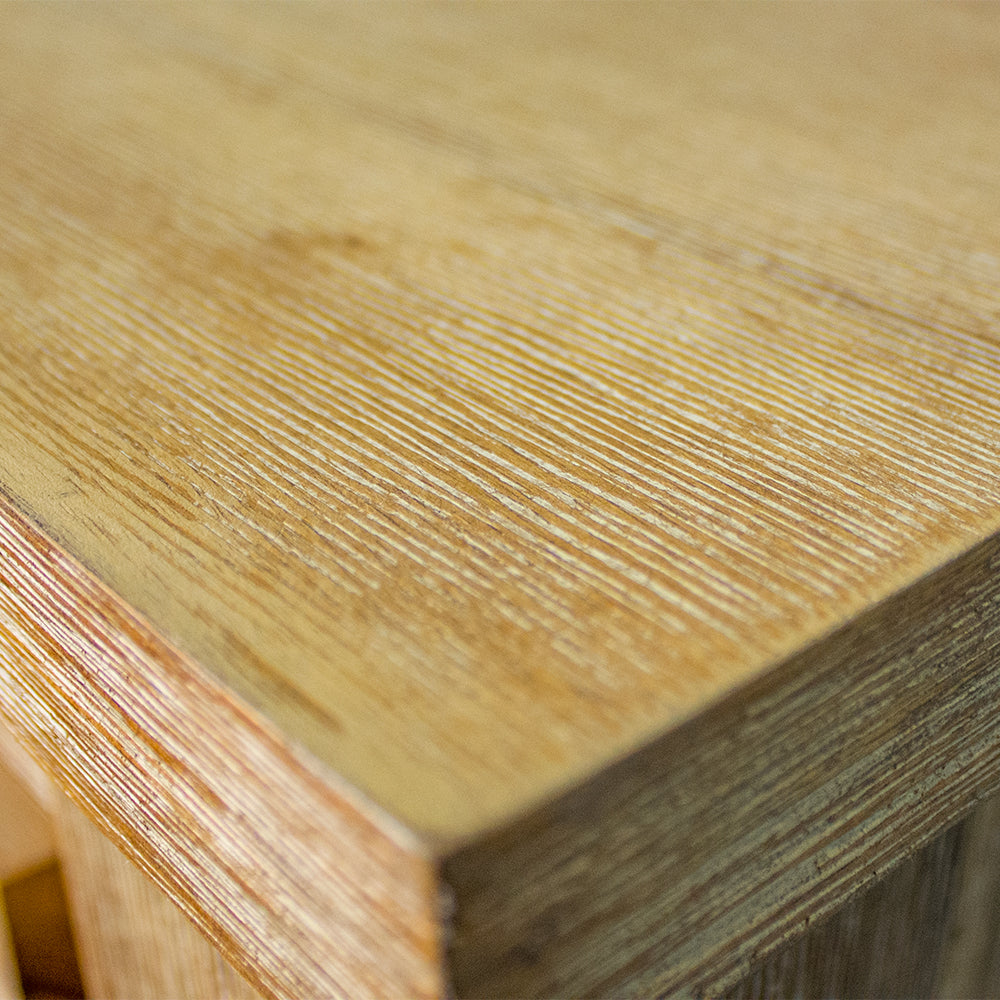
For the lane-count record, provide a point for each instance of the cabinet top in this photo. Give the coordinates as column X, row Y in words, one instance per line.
column 481, row 391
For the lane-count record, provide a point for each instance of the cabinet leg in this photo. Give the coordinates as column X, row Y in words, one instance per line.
column 134, row 943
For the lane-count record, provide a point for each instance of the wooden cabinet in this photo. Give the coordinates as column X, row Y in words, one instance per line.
column 503, row 500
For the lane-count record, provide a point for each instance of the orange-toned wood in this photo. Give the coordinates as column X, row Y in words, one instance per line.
column 28, row 869
column 129, row 939
column 26, row 838
column 504, row 498
column 134, row 944
column 10, row 979
column 310, row 894
column 41, row 934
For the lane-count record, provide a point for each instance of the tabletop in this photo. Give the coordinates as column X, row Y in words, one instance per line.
column 476, row 481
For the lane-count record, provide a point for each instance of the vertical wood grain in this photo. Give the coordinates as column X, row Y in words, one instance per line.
column 886, row 942
column 134, row 943
column 970, row 965
column 26, row 843
column 930, row 928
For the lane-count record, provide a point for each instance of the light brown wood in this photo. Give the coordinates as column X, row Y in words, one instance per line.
column 289, row 874
column 502, row 496
column 42, row 937
column 10, row 979
column 27, row 844
column 133, row 942
column 24, row 771
column 26, row 839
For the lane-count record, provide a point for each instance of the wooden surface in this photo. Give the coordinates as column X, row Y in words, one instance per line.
column 289, row 874
column 970, row 965
column 42, row 935
column 930, row 928
column 26, row 839
column 133, row 943
column 887, row 942
column 10, row 979
column 82, row 915
column 671, row 871
column 477, row 448
column 27, row 847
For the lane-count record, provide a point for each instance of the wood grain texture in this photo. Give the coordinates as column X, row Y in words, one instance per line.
column 887, row 942
column 133, row 943
column 931, row 928
column 307, row 891
column 27, row 842
column 670, row 872
column 558, row 446
column 970, row 965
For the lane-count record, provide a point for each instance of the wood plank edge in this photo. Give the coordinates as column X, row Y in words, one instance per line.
column 304, row 888
column 885, row 942
column 677, row 868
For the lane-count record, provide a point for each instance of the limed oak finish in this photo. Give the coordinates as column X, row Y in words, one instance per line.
column 503, row 499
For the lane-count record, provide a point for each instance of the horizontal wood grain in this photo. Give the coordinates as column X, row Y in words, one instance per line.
column 668, row 873
column 479, row 460
column 502, row 498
